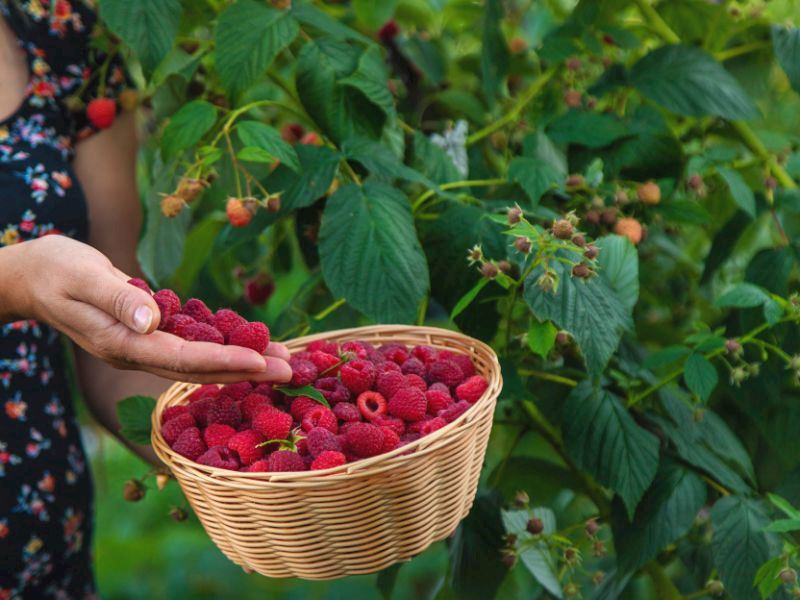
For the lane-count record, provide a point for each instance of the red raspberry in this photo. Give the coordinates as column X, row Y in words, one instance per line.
column 374, row 355
column 409, row 404
column 394, row 352
column 440, row 387
column 260, row 466
column 286, row 460
column 272, row 423
column 236, row 391
column 226, row 320
column 409, row 437
column 325, row 362
column 333, row 390
column 389, row 382
column 464, row 363
column 347, row 412
column 139, row 283
column 357, row 349
column 390, row 439
column 324, row 346
column 251, row 404
column 303, row 354
column 218, row 434
column 301, row 405
column 387, row 366
column 199, row 410
column 393, row 423
column 452, row 412
column 200, row 332
column 239, row 213
column 245, row 444
column 224, row 410
column 302, row 446
column 472, row 389
column 427, row 354
column 198, row 310
column 388, row 31
column 252, row 335
column 415, row 381
column 168, row 305
column 319, row 416
column 446, row 371
column 328, row 460
column 219, row 457
column 371, row 404
column 364, row 439
column 303, row 372
column 266, row 389
column 174, row 411
column 101, row 112
column 173, row 428
column 320, row 440
column 358, row 375
column 177, row 324
column 190, row 444
column 427, row 426
column 258, row 289
column 413, row 366
column 437, row 400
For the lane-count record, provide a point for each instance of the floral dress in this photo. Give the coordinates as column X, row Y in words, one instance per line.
column 45, row 485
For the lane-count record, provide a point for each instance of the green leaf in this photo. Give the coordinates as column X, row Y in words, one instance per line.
column 784, row 526
column 539, row 146
column 316, row 19
column 318, row 166
column 587, row 128
column 259, row 135
column 700, row 375
column 249, row 36
column 380, row 160
column 740, row 544
column 187, row 126
column 742, row 194
column 688, row 81
column 370, row 253
column 541, row 337
column 619, row 267
column 786, row 43
column 684, row 210
column 535, row 176
column 432, row 161
column 743, row 295
column 665, row 514
column 784, row 506
column 373, row 13
column 306, row 390
column 467, row 298
column 134, row 417
column 147, row 26
column 387, row 580
column 535, row 555
column 768, row 576
column 602, row 438
column 370, row 78
column 494, row 51
column 666, row 356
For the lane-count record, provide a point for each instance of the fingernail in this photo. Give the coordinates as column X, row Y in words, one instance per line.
column 142, row 318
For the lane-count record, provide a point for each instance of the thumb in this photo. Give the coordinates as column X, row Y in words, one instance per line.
column 128, row 304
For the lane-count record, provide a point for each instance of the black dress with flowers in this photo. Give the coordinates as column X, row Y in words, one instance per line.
column 45, row 486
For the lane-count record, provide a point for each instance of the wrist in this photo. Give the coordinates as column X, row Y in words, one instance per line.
column 14, row 298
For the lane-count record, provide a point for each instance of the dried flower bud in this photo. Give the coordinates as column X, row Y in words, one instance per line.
column 592, row 217
column 788, row 575
column 573, row 182
column 475, row 254
column 562, row 229
column 274, row 203
column 521, row 499
column 190, row 188
column 535, row 526
column 591, row 251
column 172, row 206
column 591, row 527
column 546, row 282
column 178, row 514
column 522, row 244
column 770, row 183
column 733, row 347
column 573, row 98
column 514, row 214
column 162, row 479
column 609, row 215
column 133, row 490
column 489, row 270
column 579, row 240
column 504, row 266
column 582, row 271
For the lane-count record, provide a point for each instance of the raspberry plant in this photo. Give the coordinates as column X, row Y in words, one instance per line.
column 604, row 190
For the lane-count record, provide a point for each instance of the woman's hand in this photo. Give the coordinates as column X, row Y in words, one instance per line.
column 77, row 290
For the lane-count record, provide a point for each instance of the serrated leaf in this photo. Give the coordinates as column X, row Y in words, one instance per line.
column 370, row 253
column 784, row 506
column 742, row 295
column 786, row 43
column 783, row 526
column 374, row 13
column 134, row 418
column 306, row 390
column 318, row 166
column 768, row 576
column 534, row 176
column 536, row 556
column 494, row 51
column 370, row 78
column 249, row 36
column 700, row 375
column 666, row 356
column 541, row 337
column 380, row 160
column 187, row 126
column 432, row 161
column 468, row 298
column 688, row 81
column 742, row 194
column 587, row 128
column 316, row 19
column 619, row 266
column 602, row 438
column 147, row 26
column 260, row 135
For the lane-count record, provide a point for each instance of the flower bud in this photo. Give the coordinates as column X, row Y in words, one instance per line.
column 133, row 490
column 582, row 271
column 514, row 215
column 535, row 526
column 733, row 347
column 521, row 499
column 489, row 270
column 522, row 244
column 562, row 229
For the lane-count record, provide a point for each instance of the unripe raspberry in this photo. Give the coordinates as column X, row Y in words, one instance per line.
column 788, row 575
column 592, row 217
column 732, row 346
column 514, row 214
column 630, row 228
column 591, row 251
column 521, row 499
column 621, row 197
column 609, row 215
column 649, row 193
column 598, row 577
column 281, row 4
column 562, row 229
column 499, row 140
column 504, row 266
column 598, row 549
column 695, row 182
column 489, row 270
column 133, row 491
column 189, row 189
column 522, row 244
column 509, row 557
column 562, row 339
column 311, row 139
column 573, row 98
column 591, row 527
column 238, row 213
column 715, row 587
column 178, row 514
column 579, row 240
column 172, row 205
column 573, row 63
column 571, row 555
column 573, row 182
column 128, row 99
column 535, row 526
column 571, row 590
column 770, row 183
column 582, row 271
column 274, row 203
column 517, row 45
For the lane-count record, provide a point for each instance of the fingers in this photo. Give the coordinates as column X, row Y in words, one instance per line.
column 126, row 303
column 278, row 350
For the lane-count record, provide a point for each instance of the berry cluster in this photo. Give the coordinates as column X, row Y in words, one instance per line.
column 378, row 399
column 194, row 321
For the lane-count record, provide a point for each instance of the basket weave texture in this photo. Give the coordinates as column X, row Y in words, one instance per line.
column 360, row 517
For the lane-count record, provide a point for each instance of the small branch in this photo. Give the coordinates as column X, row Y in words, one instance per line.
column 453, row 185
column 730, row 53
column 328, row 310
column 548, row 377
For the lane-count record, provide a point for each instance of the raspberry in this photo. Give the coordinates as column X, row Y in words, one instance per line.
column 300, row 406
column 236, row 391
column 258, row 289
column 273, row 424
column 320, row 440
column 328, row 460
column 139, row 283
column 358, row 375
column 266, row 389
column 238, row 213
column 101, row 112
column 428, row 425
column 245, row 444
column 437, row 400
column 251, row 404
column 394, row 352
column 319, row 416
column 415, row 381
column 427, row 354
column 413, row 366
column 176, row 324
column 649, row 193
column 364, row 439
column 173, row 428
column 409, row 404
column 311, row 138
column 218, row 434
column 452, row 412
column 199, row 410
column 357, row 349
column 174, row 411
column 260, row 466
column 172, row 205
column 325, row 346
column 464, row 363
column 224, row 410
column 286, row 460
column 371, row 404
column 292, row 132
column 303, row 354
column 303, row 372
column 389, row 382
column 168, row 304
column 333, row 390
column 407, row 438
column 201, row 332
column 252, row 335
column 630, row 228
column 390, row 439
column 393, row 423
column 219, row 457
column 189, row 443
column 374, row 355
column 347, row 412
column 472, row 389
column 302, row 446
column 226, row 320
column 387, row 366
column 325, row 362
column 440, row 387
column 447, row 372
column 198, row 310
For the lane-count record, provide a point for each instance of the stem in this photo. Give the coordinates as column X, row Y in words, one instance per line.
column 453, row 185
column 235, row 162
column 662, row 584
column 548, row 377
column 658, row 24
column 729, row 53
column 328, row 310
column 722, row 490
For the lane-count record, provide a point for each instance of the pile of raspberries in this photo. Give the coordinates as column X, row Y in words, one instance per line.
column 380, row 398
column 195, row 322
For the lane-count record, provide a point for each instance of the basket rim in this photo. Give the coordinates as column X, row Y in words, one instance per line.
column 377, row 464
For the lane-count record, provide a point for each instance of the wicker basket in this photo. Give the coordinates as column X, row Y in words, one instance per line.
column 354, row 519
